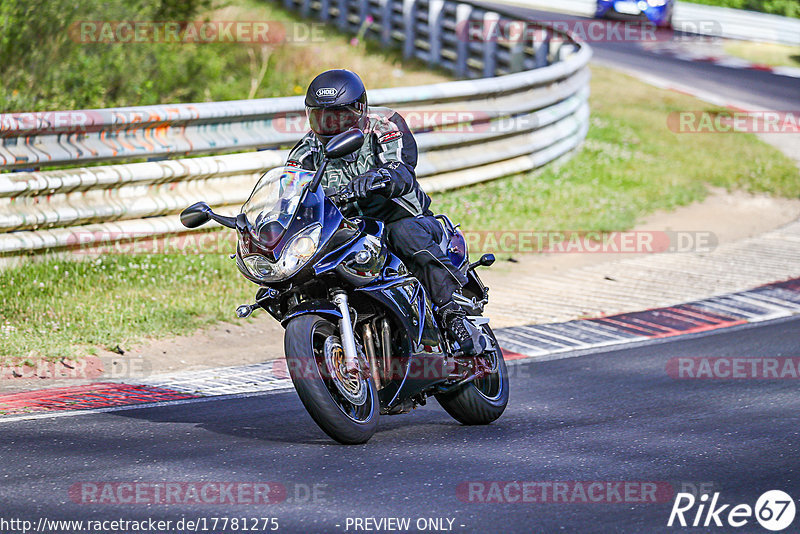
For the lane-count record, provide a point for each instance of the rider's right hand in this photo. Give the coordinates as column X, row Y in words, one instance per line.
column 361, row 186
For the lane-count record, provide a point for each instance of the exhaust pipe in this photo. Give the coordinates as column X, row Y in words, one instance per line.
column 369, row 346
column 386, row 350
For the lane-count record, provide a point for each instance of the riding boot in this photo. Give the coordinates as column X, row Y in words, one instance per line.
column 466, row 335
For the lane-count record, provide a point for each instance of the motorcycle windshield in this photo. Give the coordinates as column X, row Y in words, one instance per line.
column 275, row 201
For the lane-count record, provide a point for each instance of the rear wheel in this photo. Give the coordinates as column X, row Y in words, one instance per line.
column 344, row 406
column 483, row 400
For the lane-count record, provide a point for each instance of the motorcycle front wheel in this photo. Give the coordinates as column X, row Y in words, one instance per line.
column 345, row 407
column 483, row 400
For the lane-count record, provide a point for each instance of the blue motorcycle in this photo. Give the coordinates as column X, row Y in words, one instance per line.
column 659, row 12
column 361, row 336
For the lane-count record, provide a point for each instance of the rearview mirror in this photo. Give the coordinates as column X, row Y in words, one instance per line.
column 345, row 143
column 196, row 215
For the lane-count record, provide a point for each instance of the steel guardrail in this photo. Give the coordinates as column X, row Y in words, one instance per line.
column 524, row 104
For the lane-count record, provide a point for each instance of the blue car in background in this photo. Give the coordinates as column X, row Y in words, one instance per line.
column 659, row 12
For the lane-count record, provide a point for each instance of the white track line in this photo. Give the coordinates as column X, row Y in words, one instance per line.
column 221, row 383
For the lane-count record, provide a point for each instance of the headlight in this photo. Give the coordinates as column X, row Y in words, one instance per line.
column 259, row 266
column 296, row 253
column 656, row 3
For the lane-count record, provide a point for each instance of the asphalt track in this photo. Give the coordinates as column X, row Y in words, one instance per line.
column 759, row 89
column 613, row 416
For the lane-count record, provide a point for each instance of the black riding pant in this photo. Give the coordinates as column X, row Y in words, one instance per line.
column 416, row 241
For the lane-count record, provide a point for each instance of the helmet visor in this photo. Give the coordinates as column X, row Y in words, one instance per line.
column 333, row 120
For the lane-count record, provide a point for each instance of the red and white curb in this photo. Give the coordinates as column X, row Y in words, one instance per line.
column 254, row 378
column 539, row 342
column 552, row 341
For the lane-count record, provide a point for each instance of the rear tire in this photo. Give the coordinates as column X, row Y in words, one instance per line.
column 481, row 401
column 304, row 346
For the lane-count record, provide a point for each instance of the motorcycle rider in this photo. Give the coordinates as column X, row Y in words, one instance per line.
column 336, row 101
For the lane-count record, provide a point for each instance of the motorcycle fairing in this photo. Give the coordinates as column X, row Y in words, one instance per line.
column 344, row 259
column 422, row 356
column 321, row 307
column 313, row 208
column 453, row 243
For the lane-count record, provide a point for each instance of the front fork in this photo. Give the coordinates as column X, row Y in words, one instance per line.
column 345, row 326
column 346, row 331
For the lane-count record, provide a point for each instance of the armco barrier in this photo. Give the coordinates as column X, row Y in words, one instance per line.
column 526, row 106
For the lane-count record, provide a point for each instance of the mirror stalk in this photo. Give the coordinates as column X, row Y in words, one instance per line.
column 228, row 222
column 318, row 176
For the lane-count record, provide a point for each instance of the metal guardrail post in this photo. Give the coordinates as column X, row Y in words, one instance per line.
column 463, row 14
column 541, row 57
column 341, row 20
column 409, row 27
column 435, row 21
column 363, row 10
column 386, row 22
column 324, row 10
column 490, row 22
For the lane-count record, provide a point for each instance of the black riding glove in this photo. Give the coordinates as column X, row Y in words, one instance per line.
column 360, row 186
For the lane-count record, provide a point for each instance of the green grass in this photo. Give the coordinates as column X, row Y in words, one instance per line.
column 61, row 308
column 786, row 8
column 58, row 308
column 776, row 55
column 46, row 68
column 631, row 165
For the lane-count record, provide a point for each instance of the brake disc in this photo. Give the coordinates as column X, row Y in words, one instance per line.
column 353, row 387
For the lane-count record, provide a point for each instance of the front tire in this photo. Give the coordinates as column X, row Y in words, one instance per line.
column 483, row 400
column 307, row 339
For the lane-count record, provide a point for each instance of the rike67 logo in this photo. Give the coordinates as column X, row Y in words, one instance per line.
column 774, row 510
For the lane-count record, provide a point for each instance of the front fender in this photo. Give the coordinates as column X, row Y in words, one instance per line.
column 313, row 307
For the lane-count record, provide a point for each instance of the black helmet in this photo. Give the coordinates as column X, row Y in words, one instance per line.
column 336, row 101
